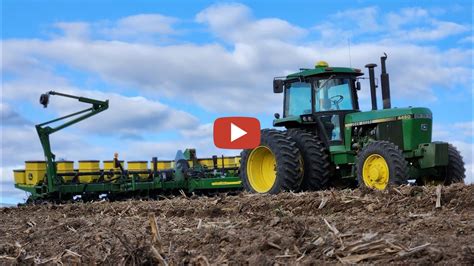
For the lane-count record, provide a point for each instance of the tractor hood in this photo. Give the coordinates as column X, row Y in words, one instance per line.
column 385, row 115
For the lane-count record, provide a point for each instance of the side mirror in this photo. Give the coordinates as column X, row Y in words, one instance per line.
column 277, row 86
column 277, row 115
column 358, row 85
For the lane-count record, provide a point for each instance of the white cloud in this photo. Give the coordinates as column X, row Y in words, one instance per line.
column 187, row 72
column 207, row 74
column 131, row 116
column 140, row 25
column 406, row 16
column 239, row 78
column 459, row 131
column 407, row 25
column 20, row 144
column 224, row 15
column 9, row 117
column 364, row 18
column 202, row 131
column 128, row 116
column 466, row 128
column 74, row 30
column 467, row 39
column 418, row 24
column 234, row 22
column 437, row 31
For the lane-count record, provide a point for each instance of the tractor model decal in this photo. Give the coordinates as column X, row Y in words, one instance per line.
column 382, row 120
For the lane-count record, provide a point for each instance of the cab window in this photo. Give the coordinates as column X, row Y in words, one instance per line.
column 297, row 99
column 333, row 94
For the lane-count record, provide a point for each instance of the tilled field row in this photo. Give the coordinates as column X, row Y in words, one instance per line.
column 401, row 225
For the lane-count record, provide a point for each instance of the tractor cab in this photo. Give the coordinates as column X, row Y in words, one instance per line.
column 319, row 97
column 329, row 141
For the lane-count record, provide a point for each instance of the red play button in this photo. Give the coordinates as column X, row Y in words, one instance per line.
column 236, row 132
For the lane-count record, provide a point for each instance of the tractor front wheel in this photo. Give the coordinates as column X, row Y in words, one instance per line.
column 381, row 163
column 274, row 166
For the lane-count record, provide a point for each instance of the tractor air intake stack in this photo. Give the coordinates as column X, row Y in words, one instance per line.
column 372, row 85
column 385, row 84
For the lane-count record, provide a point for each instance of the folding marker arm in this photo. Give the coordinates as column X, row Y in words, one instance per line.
column 44, row 131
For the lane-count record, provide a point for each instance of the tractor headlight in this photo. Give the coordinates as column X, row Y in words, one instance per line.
column 307, row 118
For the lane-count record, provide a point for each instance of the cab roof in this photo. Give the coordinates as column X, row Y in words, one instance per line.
column 322, row 68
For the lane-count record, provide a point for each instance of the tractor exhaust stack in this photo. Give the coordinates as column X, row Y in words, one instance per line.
column 372, row 85
column 385, row 84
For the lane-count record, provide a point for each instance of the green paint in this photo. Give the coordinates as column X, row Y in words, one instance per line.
column 385, row 113
column 209, row 183
column 320, row 71
column 214, row 183
column 433, row 154
column 128, row 181
column 409, row 128
column 416, row 132
column 287, row 121
column 45, row 131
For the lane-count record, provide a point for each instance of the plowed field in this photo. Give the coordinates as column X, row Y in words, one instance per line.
column 401, row 225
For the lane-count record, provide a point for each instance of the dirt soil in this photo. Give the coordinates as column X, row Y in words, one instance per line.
column 401, row 225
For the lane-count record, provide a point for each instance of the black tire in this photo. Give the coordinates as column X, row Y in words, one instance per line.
column 288, row 162
column 315, row 159
column 455, row 172
column 397, row 165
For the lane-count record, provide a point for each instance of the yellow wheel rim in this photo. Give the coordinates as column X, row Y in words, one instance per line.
column 261, row 169
column 375, row 172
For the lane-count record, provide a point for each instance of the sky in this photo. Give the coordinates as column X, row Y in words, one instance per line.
column 171, row 68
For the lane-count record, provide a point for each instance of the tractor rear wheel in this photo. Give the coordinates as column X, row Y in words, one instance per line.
column 455, row 171
column 273, row 166
column 315, row 159
column 381, row 163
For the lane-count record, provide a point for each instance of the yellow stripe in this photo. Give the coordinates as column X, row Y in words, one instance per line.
column 223, row 183
column 367, row 122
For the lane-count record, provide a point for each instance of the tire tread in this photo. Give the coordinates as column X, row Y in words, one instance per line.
column 315, row 159
column 287, row 156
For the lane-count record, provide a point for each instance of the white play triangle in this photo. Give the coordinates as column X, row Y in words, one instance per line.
column 236, row 132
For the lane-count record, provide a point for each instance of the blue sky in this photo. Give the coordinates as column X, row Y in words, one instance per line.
column 171, row 68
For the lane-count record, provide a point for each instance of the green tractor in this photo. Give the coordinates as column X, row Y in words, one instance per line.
column 329, row 141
